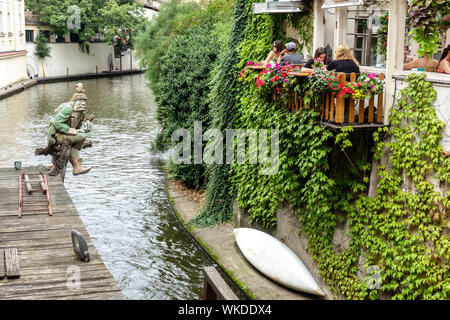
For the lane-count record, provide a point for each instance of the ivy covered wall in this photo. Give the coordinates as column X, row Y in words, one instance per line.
column 402, row 228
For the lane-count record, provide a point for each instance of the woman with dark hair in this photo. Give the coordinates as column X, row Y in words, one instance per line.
column 444, row 62
column 320, row 55
column 275, row 53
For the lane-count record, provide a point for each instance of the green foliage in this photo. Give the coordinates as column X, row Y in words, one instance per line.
column 423, row 18
column 303, row 23
column 223, row 111
column 42, row 49
column 110, row 18
column 382, row 35
column 389, row 231
column 406, row 231
column 185, row 70
column 303, row 181
column 173, row 18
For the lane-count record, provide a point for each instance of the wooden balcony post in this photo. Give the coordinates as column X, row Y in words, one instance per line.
column 332, row 107
column 351, row 111
column 327, row 105
column 322, row 114
column 340, row 104
column 371, row 109
column 380, row 103
column 361, row 111
column 395, row 49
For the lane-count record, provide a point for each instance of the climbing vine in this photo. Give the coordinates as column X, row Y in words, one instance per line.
column 251, row 38
column 184, row 92
column 401, row 229
column 404, row 229
column 223, row 101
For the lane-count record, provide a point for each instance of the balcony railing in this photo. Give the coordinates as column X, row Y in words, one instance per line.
column 337, row 112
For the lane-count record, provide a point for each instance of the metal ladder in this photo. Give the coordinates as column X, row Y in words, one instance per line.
column 34, row 195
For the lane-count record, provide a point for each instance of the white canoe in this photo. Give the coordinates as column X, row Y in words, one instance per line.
column 275, row 260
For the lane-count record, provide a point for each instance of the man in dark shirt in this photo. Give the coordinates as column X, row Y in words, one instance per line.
column 289, row 55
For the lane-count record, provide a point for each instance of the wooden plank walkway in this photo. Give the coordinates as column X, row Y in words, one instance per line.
column 44, row 243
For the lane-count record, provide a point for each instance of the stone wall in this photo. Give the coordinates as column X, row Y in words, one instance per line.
column 289, row 230
column 441, row 83
column 67, row 57
column 12, row 69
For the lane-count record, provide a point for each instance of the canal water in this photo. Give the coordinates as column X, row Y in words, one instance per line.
column 122, row 201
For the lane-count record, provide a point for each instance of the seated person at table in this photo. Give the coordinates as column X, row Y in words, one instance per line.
column 319, row 55
column 289, row 56
column 275, row 53
column 424, row 63
column 345, row 62
column 407, row 58
column 444, row 62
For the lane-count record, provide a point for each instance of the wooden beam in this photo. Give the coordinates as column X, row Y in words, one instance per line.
column 2, row 264
column 340, row 26
column 217, row 285
column 395, row 50
column 380, row 102
column 12, row 263
column 318, row 25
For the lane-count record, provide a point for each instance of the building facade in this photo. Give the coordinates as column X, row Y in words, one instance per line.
column 13, row 52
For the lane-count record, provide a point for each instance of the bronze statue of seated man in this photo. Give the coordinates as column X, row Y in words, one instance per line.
column 67, row 124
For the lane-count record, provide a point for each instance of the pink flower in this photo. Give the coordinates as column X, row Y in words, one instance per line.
column 372, row 76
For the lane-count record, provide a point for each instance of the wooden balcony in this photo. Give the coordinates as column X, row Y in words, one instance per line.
column 337, row 112
column 365, row 114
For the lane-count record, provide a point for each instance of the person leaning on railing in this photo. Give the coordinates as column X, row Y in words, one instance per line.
column 345, row 62
column 319, row 56
column 444, row 62
column 289, row 55
column 275, row 53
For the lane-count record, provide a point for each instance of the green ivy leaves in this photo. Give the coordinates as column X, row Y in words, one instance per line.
column 406, row 220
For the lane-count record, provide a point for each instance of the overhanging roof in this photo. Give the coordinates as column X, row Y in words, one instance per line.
column 278, row 7
column 341, row 4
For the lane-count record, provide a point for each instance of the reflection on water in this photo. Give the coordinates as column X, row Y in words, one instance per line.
column 122, row 200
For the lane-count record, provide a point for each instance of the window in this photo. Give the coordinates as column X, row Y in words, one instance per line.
column 60, row 39
column 46, row 34
column 9, row 8
column 362, row 36
column 9, row 23
column 74, row 37
column 29, row 35
column 1, row 16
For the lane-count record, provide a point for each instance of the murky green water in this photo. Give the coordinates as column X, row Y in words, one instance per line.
column 122, row 200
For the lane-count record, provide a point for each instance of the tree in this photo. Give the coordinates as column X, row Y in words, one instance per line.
column 173, row 18
column 117, row 20
column 185, row 70
column 42, row 49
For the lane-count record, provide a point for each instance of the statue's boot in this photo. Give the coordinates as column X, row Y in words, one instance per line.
column 77, row 168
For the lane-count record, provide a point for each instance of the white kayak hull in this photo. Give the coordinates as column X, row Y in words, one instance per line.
column 275, row 260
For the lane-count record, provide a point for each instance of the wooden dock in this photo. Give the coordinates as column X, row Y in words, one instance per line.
column 47, row 262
